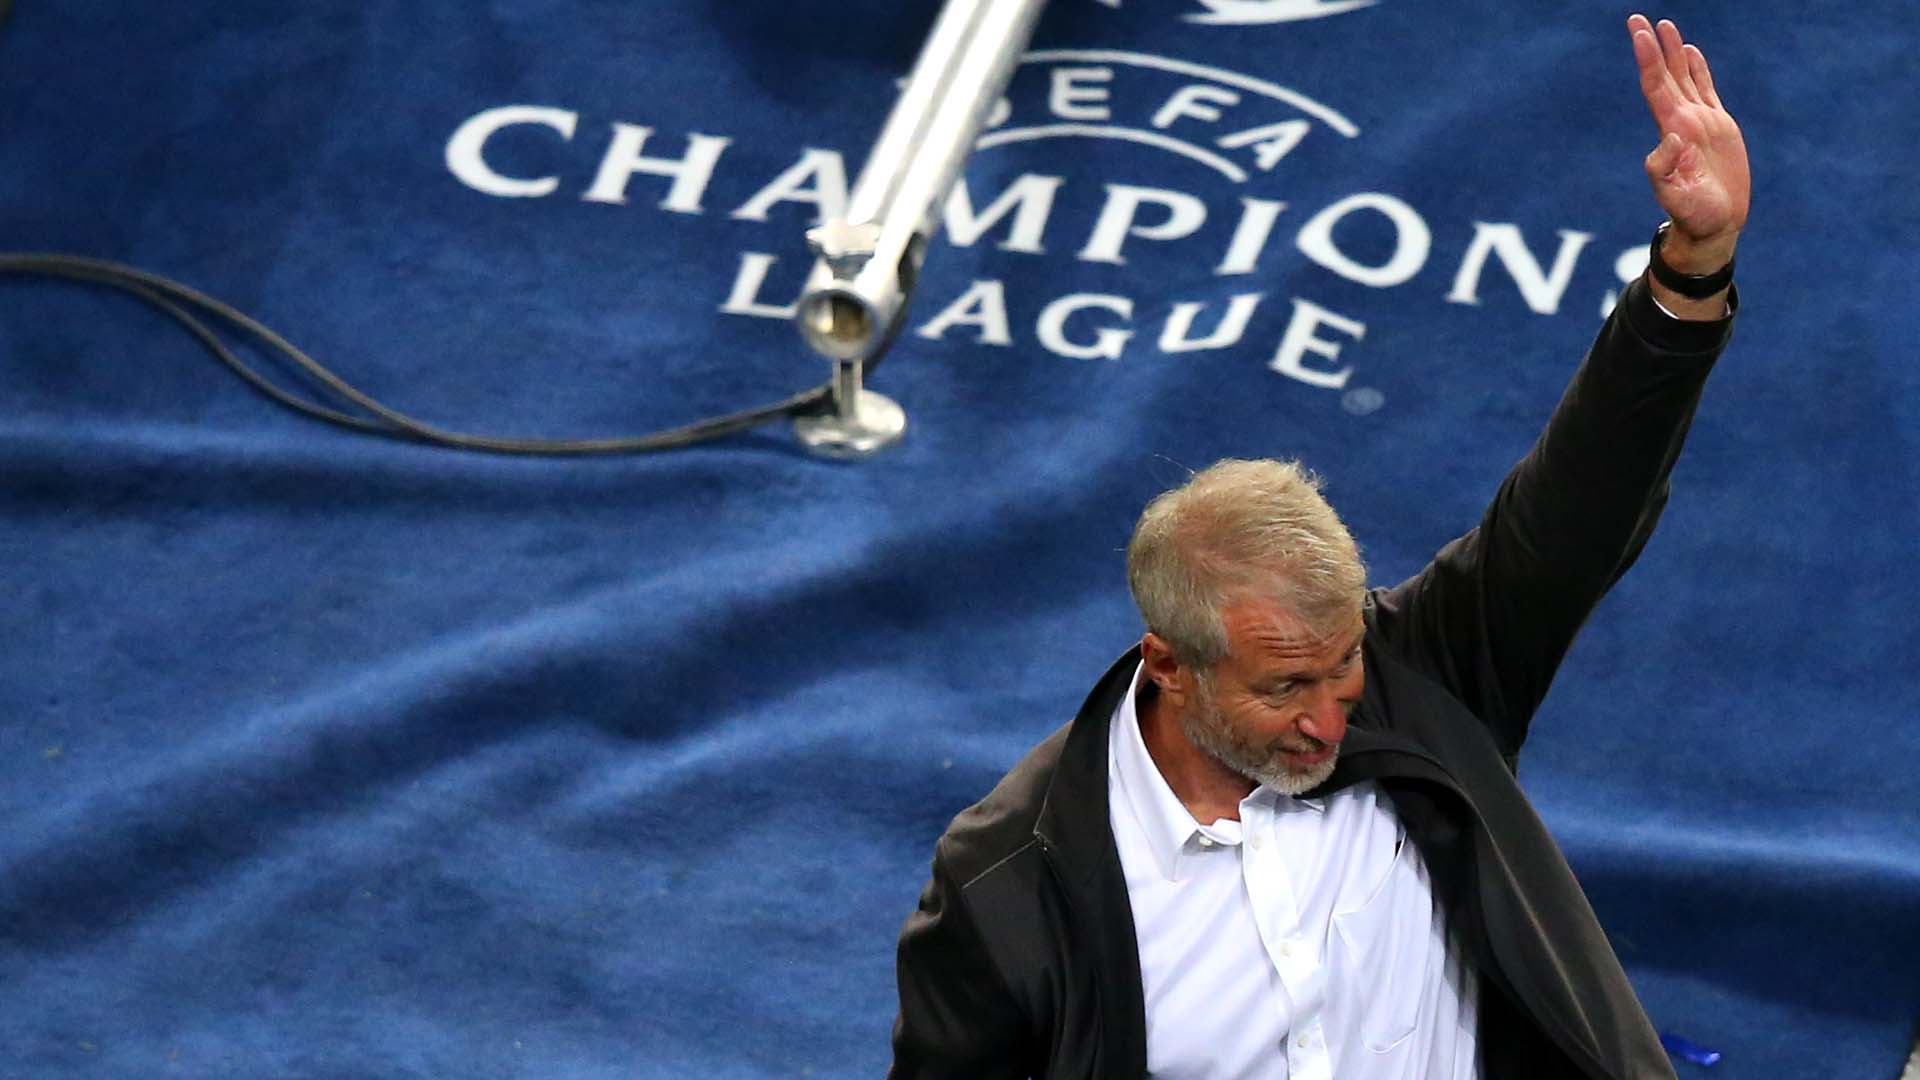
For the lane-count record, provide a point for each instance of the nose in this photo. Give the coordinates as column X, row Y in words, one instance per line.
column 1326, row 717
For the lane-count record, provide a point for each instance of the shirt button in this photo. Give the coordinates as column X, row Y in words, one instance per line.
column 1286, row 948
column 1255, row 841
column 1206, row 841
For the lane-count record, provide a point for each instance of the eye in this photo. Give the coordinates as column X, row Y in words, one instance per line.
column 1281, row 691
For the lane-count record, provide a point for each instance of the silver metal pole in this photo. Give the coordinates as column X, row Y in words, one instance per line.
column 867, row 262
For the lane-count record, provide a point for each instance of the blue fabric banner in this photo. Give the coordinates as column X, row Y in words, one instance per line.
column 331, row 756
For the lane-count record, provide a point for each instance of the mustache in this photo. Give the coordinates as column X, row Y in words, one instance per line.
column 1311, row 745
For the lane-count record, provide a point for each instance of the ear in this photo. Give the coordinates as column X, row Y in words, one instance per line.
column 1174, row 678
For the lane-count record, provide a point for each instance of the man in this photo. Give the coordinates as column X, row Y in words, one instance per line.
column 1283, row 837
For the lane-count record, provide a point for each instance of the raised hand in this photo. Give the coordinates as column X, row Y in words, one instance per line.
column 1699, row 170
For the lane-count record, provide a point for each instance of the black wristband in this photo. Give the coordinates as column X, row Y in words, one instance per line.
column 1693, row 286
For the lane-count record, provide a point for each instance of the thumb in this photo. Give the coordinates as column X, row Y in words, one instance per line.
column 1663, row 158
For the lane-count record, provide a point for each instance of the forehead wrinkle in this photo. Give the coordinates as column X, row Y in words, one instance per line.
column 1277, row 634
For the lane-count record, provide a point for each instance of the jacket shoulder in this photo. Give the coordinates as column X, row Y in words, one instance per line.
column 1001, row 824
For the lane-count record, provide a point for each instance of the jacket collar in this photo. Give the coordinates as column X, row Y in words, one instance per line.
column 1077, row 843
column 1072, row 822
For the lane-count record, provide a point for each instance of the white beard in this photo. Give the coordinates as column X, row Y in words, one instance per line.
column 1208, row 728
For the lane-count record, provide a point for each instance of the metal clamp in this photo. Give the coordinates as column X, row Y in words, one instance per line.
column 866, row 264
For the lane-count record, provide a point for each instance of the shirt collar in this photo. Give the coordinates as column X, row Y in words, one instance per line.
column 1163, row 819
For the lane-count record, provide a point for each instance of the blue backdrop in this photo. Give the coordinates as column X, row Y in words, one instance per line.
column 328, row 756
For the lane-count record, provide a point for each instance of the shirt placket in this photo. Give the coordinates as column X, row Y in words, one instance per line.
column 1277, row 915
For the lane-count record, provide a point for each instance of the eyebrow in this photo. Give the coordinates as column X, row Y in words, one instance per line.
column 1269, row 681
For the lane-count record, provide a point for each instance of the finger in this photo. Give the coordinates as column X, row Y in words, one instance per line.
column 1655, row 82
column 1637, row 27
column 1702, row 78
column 1664, row 156
column 1673, row 50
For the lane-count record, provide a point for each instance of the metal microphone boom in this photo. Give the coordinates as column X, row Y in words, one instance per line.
column 868, row 261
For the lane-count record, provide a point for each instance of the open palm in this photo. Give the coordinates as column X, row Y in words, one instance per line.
column 1699, row 169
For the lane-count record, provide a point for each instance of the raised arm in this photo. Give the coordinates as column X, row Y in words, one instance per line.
column 1494, row 613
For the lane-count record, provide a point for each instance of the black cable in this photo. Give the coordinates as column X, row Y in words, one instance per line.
column 168, row 296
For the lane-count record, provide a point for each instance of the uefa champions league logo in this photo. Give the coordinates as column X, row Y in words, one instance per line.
column 1260, row 12
column 1215, row 125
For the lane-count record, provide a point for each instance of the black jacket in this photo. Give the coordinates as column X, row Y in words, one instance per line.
column 1021, row 959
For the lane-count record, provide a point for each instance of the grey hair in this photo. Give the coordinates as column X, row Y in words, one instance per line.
column 1234, row 529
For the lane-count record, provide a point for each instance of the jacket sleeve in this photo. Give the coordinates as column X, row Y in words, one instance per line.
column 957, row 1017
column 1496, row 610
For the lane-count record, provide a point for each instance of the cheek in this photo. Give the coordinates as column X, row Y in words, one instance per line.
column 1260, row 723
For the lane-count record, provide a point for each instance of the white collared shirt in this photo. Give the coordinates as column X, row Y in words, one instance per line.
column 1300, row 942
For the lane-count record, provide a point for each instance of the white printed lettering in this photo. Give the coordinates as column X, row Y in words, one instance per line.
column 1233, row 325
column 1070, row 92
column 1185, row 215
column 1032, row 194
column 1250, row 236
column 1291, row 358
column 984, row 305
column 465, row 158
column 819, row 177
column 1270, row 142
column 1412, row 240
column 745, row 297
column 1541, row 290
column 1191, row 100
column 690, row 173
column 1108, row 342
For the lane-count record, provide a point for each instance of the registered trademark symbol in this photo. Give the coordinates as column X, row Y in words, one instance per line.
column 1362, row 400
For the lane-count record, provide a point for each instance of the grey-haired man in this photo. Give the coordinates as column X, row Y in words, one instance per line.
column 1283, row 837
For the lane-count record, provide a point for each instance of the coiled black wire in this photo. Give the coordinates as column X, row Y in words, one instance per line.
column 175, row 300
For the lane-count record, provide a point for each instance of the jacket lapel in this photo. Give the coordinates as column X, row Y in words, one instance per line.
column 1075, row 834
